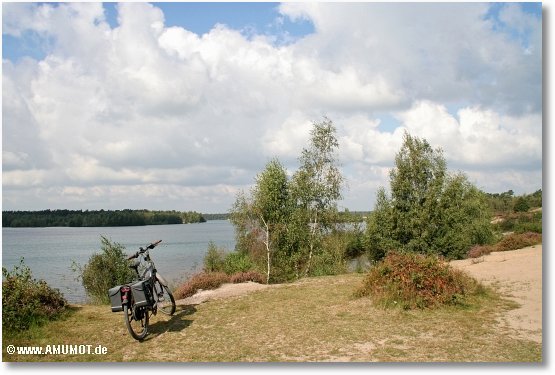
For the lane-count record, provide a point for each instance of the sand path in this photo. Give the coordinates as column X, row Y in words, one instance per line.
column 518, row 276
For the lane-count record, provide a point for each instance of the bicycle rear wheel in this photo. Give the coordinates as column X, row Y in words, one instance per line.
column 164, row 298
column 138, row 328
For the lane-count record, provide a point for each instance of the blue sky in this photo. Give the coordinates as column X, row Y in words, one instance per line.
column 201, row 17
column 85, row 95
column 250, row 18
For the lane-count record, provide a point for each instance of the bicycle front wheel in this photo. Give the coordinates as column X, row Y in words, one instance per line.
column 136, row 325
column 164, row 299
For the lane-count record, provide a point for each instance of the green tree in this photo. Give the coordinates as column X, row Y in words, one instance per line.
column 270, row 205
column 260, row 218
column 316, row 188
column 416, row 183
column 380, row 227
column 521, row 204
column 429, row 211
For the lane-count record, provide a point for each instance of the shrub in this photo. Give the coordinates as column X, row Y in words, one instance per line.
column 242, row 277
column 105, row 270
column 214, row 258
column 513, row 241
column 27, row 302
column 412, row 281
column 521, row 205
column 518, row 241
column 237, row 262
column 331, row 259
column 520, row 222
column 213, row 280
column 480, row 250
column 204, row 281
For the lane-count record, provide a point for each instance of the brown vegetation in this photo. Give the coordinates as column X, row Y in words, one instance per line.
column 409, row 281
column 510, row 242
column 212, row 280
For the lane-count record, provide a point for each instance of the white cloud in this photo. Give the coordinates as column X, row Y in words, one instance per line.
column 146, row 114
column 478, row 138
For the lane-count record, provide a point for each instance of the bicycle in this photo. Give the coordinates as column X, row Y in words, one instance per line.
column 144, row 297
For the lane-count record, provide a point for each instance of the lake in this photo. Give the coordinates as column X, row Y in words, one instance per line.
column 49, row 252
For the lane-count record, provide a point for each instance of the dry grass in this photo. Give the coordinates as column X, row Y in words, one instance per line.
column 315, row 319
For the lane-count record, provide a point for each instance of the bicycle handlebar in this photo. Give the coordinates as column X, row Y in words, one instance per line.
column 141, row 250
column 153, row 245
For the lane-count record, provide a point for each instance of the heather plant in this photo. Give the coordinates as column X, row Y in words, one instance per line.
column 213, row 280
column 415, row 281
column 201, row 281
column 513, row 241
column 243, row 277
column 27, row 302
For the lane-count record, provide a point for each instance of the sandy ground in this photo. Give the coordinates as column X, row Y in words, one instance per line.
column 224, row 291
column 518, row 276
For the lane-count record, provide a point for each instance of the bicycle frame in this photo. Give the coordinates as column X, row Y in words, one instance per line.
column 144, row 296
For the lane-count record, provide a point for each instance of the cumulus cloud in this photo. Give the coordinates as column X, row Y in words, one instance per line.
column 142, row 114
column 476, row 137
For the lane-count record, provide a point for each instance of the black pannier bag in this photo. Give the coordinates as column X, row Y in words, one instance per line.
column 115, row 298
column 142, row 294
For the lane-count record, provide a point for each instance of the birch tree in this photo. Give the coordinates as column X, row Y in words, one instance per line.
column 270, row 203
column 316, row 186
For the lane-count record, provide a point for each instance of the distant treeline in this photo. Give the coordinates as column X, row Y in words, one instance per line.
column 344, row 216
column 507, row 202
column 101, row 218
column 216, row 216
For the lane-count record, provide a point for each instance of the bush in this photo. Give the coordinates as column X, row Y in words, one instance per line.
column 204, row 281
column 214, row 258
column 27, row 302
column 237, row 262
column 518, row 241
column 480, row 250
column 332, row 258
column 513, row 241
column 410, row 281
column 213, row 280
column 521, row 205
column 105, row 270
column 521, row 223
column 243, row 277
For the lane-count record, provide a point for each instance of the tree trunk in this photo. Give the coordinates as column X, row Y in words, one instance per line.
column 312, row 236
column 267, row 243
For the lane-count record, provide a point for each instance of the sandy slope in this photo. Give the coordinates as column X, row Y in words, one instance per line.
column 517, row 275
